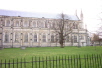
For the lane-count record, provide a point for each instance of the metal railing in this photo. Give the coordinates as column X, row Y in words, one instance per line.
column 75, row 61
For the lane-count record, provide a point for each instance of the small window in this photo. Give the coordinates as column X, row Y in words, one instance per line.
column 56, row 38
column 52, row 38
column 16, row 37
column 44, row 38
column 17, row 23
column 51, row 25
column 7, row 23
column 75, row 26
column 75, row 39
column 26, row 24
column 35, row 38
column 34, row 24
column 81, row 37
column 3, row 23
column 30, row 23
column 46, row 24
column 40, row 24
column 6, row 37
column 67, row 38
column 26, row 37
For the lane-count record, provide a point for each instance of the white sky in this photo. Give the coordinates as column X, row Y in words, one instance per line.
column 90, row 8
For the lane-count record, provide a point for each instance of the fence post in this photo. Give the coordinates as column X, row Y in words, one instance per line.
column 68, row 62
column 17, row 62
column 46, row 61
column 85, row 60
column 50, row 61
column 9, row 64
column 32, row 62
column 62, row 62
column 56, row 61
column 5, row 63
column 21, row 62
column 1, row 64
column 95, row 61
column 53, row 62
column 43, row 62
column 71, row 62
column 100, row 60
column 39, row 62
column 35, row 62
column 90, row 61
column 24, row 63
column 80, row 61
column 77, row 61
column 74, row 61
column 13, row 63
column 65, row 62
column 59, row 61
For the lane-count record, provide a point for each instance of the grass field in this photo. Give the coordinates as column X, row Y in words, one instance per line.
column 51, row 57
column 14, row 53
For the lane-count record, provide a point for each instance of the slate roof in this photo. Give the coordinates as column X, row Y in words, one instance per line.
column 31, row 14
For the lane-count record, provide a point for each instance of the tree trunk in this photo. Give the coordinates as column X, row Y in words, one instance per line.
column 61, row 40
column 61, row 45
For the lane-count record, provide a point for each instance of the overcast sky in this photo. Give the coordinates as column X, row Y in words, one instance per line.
column 91, row 8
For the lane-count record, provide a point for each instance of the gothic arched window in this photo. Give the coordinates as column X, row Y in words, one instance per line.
column 26, row 37
column 46, row 24
column 6, row 37
column 75, row 39
column 26, row 24
column 67, row 38
column 51, row 24
column 41, row 24
column 3, row 23
column 16, row 37
column 17, row 23
column 30, row 23
column 8, row 23
column 52, row 38
column 44, row 38
column 34, row 23
column 35, row 37
column 75, row 26
column 81, row 37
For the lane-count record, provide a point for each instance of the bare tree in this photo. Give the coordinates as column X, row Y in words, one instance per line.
column 63, row 28
column 99, row 37
column 95, row 37
column 99, row 31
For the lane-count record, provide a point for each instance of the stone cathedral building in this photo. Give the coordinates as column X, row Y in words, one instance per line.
column 17, row 31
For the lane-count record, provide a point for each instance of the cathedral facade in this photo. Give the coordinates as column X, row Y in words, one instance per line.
column 16, row 31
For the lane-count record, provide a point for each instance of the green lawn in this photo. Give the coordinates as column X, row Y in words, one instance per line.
column 14, row 53
column 53, row 59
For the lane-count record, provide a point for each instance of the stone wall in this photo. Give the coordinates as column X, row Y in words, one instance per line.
column 20, row 31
